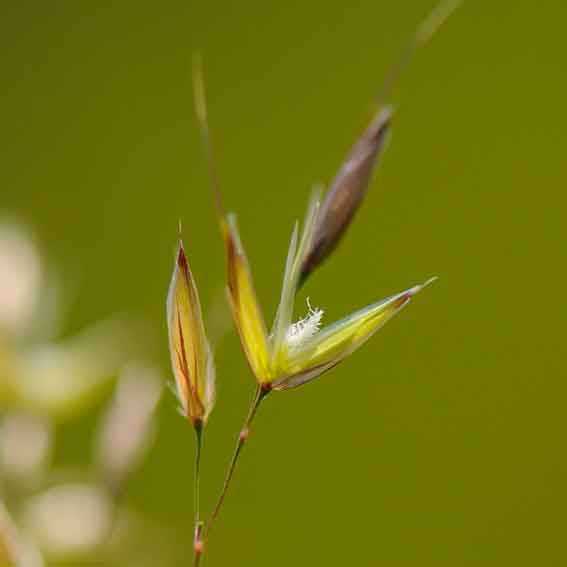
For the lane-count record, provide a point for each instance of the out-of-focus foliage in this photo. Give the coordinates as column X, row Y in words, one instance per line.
column 72, row 514
column 52, row 377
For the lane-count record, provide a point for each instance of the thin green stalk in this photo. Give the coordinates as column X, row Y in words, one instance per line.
column 197, row 487
column 198, row 527
column 424, row 32
column 261, row 393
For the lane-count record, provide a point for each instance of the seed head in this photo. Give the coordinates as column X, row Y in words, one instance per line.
column 296, row 353
column 347, row 192
column 191, row 357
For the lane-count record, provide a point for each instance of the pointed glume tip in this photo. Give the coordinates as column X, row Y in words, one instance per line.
column 385, row 115
column 416, row 289
column 381, row 124
column 181, row 258
column 429, row 281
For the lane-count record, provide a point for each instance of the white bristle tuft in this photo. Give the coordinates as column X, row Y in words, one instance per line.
column 305, row 328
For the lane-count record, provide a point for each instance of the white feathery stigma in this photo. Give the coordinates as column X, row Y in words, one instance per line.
column 301, row 331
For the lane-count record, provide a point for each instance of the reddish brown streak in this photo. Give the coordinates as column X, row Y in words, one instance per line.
column 185, row 365
column 181, row 258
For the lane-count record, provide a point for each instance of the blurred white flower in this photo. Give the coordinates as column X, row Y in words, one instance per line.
column 69, row 519
column 127, row 429
column 60, row 379
column 25, row 443
column 20, row 279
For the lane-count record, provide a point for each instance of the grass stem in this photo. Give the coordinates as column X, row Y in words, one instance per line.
column 198, row 524
column 261, row 393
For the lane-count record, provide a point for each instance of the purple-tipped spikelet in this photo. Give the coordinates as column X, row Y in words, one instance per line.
column 347, row 192
column 293, row 354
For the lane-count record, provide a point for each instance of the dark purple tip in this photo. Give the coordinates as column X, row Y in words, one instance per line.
column 181, row 258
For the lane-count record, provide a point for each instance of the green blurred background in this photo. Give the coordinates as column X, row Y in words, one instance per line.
column 442, row 442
